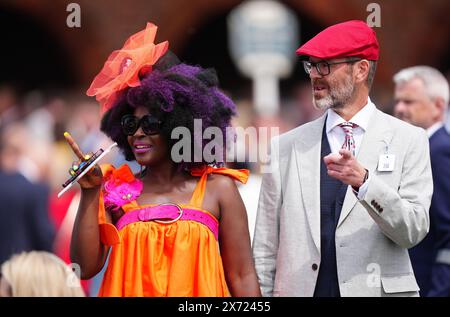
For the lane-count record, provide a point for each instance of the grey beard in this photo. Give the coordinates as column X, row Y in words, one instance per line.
column 324, row 103
column 337, row 98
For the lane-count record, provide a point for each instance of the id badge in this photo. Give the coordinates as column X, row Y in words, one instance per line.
column 386, row 163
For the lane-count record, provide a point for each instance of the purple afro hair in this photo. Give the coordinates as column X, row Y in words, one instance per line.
column 177, row 94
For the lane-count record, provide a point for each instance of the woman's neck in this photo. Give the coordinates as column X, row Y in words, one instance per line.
column 165, row 172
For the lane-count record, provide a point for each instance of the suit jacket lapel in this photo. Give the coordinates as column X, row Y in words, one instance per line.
column 377, row 136
column 307, row 153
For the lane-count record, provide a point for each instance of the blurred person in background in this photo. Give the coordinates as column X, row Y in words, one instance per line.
column 24, row 153
column 9, row 110
column 447, row 116
column 84, row 125
column 421, row 98
column 25, row 221
column 38, row 274
column 237, row 158
column 48, row 114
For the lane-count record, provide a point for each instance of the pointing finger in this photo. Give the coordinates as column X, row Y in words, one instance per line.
column 346, row 154
column 74, row 146
column 332, row 158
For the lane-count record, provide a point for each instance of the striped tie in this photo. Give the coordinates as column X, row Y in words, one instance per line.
column 349, row 142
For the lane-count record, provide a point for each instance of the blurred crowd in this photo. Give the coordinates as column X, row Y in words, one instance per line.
column 34, row 160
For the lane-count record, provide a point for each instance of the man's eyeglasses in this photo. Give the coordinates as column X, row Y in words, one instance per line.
column 323, row 67
column 150, row 125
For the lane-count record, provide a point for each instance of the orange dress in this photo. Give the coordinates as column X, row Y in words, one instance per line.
column 150, row 258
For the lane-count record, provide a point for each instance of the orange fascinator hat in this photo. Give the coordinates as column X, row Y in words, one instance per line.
column 126, row 66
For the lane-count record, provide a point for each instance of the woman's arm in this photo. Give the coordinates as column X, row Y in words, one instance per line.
column 234, row 239
column 86, row 249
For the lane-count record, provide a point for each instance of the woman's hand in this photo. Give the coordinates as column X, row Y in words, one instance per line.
column 91, row 179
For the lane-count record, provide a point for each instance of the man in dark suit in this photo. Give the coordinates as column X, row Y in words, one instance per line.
column 24, row 224
column 422, row 96
column 24, row 218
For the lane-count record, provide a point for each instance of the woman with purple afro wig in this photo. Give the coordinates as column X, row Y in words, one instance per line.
column 180, row 228
column 175, row 94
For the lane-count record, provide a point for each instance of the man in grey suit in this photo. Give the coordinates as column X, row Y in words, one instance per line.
column 348, row 193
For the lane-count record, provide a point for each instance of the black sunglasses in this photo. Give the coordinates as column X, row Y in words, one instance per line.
column 150, row 125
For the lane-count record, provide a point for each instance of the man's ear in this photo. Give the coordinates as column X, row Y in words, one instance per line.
column 440, row 106
column 362, row 70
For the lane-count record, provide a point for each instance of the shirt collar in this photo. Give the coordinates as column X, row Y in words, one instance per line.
column 361, row 118
column 431, row 130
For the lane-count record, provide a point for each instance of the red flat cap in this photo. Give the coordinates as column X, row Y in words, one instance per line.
column 351, row 38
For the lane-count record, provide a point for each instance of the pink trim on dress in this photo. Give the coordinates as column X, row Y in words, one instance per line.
column 170, row 213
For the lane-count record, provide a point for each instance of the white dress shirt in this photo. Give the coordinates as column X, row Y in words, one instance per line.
column 336, row 135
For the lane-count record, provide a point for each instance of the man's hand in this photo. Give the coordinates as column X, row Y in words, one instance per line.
column 345, row 167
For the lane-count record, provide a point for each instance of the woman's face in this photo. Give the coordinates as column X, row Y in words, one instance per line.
column 147, row 149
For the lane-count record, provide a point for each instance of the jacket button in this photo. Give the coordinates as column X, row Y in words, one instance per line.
column 380, row 210
column 314, row 267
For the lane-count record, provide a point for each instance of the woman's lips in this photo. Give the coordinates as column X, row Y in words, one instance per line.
column 142, row 148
